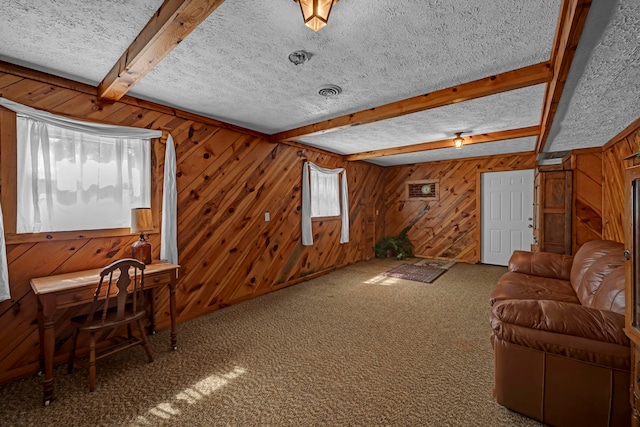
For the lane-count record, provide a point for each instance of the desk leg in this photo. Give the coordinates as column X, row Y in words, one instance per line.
column 172, row 310
column 48, row 345
column 41, row 336
column 152, row 311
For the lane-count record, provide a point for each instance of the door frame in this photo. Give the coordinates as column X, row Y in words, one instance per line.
column 479, row 173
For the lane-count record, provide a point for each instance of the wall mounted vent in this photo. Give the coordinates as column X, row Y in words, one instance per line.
column 423, row 190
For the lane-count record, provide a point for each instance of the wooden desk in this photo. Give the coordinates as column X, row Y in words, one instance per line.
column 77, row 288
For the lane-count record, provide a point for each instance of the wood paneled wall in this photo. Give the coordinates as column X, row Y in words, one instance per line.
column 613, row 167
column 227, row 179
column 587, row 197
column 450, row 228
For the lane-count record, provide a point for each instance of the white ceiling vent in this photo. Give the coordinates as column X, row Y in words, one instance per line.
column 329, row 90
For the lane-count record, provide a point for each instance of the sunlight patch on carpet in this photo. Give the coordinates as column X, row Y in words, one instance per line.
column 416, row 273
column 190, row 395
column 382, row 280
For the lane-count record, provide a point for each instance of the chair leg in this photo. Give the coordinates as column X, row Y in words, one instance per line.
column 145, row 341
column 92, row 361
column 72, row 354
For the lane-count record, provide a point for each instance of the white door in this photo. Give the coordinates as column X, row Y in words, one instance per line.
column 506, row 214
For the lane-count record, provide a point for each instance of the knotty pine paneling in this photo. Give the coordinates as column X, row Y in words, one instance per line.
column 613, row 169
column 449, row 229
column 227, row 179
column 587, row 197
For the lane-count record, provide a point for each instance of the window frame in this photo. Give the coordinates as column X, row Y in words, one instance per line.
column 9, row 190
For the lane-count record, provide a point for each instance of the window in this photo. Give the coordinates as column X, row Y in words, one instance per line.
column 325, row 194
column 72, row 180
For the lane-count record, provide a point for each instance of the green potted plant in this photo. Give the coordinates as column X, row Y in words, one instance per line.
column 394, row 246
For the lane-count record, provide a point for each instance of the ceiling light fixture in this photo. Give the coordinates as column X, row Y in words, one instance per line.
column 315, row 12
column 458, row 140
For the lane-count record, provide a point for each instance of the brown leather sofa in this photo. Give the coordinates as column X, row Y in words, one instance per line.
column 560, row 352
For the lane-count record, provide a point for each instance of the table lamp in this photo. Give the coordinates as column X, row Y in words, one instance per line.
column 140, row 222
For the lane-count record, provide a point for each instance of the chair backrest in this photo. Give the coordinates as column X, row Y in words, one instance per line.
column 114, row 291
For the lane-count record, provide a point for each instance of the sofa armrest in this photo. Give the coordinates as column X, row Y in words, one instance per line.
column 560, row 318
column 543, row 264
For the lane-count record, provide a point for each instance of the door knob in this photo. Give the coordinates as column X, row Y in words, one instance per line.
column 531, row 226
column 627, row 254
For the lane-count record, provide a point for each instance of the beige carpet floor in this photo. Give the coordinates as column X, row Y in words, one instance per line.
column 351, row 348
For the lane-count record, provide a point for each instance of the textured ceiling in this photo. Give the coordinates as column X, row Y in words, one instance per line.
column 508, row 110
column 77, row 39
column 602, row 95
column 234, row 66
column 396, row 50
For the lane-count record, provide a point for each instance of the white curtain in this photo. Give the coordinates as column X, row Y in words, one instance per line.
column 73, row 180
column 4, row 269
column 325, row 194
column 169, row 243
column 322, row 182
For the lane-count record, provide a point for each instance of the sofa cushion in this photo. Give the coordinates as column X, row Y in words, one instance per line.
column 526, row 286
column 588, row 255
column 543, row 264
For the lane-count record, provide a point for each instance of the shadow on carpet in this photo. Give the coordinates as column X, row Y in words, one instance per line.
column 416, row 273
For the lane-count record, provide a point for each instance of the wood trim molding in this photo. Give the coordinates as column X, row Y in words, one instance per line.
column 42, row 77
column 53, row 236
column 171, row 24
column 573, row 14
column 448, row 143
column 8, row 169
column 634, row 126
column 477, row 158
column 314, row 149
column 510, row 80
column 577, row 151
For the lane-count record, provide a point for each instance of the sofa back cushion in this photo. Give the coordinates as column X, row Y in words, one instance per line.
column 592, row 264
column 543, row 264
column 610, row 294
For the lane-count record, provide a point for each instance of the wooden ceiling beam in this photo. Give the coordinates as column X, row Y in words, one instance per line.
column 173, row 21
column 448, row 143
column 510, row 80
column 573, row 15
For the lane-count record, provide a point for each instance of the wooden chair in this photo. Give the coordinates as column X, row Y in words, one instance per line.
column 118, row 301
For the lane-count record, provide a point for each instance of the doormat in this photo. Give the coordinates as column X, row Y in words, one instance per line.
column 417, row 273
column 436, row 263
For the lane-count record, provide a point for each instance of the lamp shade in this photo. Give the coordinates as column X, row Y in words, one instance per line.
column 458, row 140
column 141, row 220
column 316, row 12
